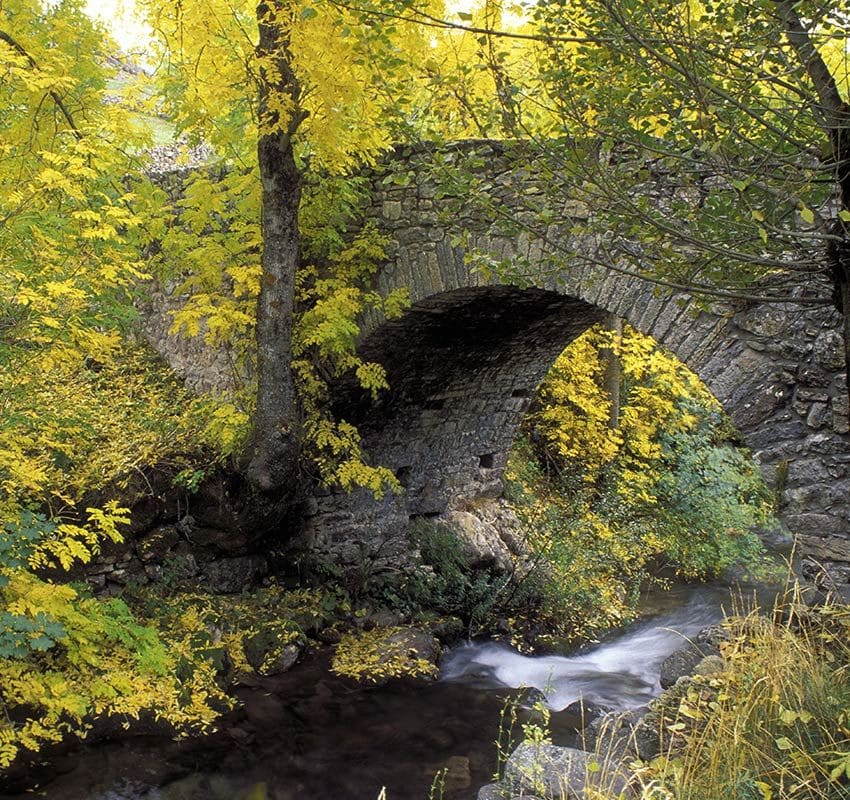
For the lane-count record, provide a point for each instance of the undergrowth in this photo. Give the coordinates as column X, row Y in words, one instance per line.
column 612, row 498
column 775, row 724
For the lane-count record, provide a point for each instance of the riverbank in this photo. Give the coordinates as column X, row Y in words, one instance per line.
column 307, row 732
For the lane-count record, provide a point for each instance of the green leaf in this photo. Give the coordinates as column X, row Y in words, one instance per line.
column 807, row 214
column 844, row 215
column 309, row 13
column 765, row 789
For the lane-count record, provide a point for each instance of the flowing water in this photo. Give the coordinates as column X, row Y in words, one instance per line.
column 621, row 673
column 311, row 735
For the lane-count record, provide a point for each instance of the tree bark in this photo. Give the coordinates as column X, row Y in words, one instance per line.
column 839, row 256
column 613, row 377
column 277, row 436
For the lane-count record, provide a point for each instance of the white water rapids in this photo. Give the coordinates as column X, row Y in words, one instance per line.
column 621, row 673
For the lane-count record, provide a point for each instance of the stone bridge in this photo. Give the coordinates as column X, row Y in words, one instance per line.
column 464, row 360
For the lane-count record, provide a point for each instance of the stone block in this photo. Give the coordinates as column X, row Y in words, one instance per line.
column 829, row 350
column 818, row 415
column 232, row 575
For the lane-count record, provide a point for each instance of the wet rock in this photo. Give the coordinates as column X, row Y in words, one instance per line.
column 534, row 697
column 231, row 575
column 586, row 711
column 682, row 661
column 562, row 773
column 265, row 653
column 449, row 629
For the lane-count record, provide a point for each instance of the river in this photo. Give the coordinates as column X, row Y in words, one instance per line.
column 309, row 734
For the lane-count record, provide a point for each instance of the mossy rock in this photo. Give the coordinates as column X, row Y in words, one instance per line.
column 268, row 655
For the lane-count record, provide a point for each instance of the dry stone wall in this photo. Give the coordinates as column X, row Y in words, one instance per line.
column 464, row 360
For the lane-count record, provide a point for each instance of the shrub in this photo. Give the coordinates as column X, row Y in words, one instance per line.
column 607, row 504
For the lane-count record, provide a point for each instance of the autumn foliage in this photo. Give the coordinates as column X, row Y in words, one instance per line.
column 611, row 507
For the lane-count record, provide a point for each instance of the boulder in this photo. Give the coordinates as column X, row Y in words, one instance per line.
column 498, row 791
column 611, row 735
column 681, row 662
column 448, row 629
column 710, row 665
column 265, row 653
column 586, row 711
column 479, row 541
column 415, row 642
column 562, row 773
column 381, row 618
column 508, row 525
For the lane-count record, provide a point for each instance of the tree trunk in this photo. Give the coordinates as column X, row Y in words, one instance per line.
column 276, row 447
column 613, row 377
column 834, row 114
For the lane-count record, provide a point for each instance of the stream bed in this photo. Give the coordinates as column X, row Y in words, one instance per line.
column 308, row 734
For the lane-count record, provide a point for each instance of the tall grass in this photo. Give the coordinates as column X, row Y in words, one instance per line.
column 775, row 725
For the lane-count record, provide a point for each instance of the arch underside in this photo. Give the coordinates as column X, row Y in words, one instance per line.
column 462, row 368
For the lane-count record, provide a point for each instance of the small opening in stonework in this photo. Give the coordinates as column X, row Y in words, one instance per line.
column 521, row 393
column 487, row 460
column 435, row 404
column 426, row 515
column 403, row 475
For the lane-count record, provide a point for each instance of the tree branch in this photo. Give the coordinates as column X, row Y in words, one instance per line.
column 831, row 106
column 18, row 48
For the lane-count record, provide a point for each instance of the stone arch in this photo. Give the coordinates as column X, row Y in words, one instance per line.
column 465, row 358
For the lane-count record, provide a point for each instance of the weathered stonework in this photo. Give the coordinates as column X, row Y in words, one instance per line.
column 464, row 361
